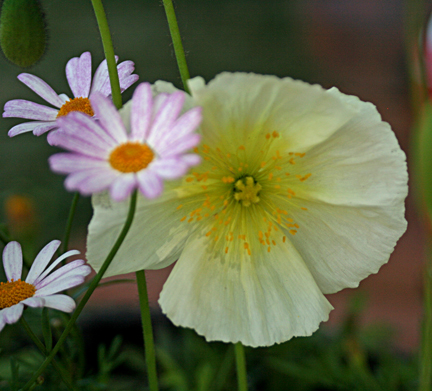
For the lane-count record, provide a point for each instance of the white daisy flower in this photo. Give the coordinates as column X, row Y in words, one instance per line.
column 79, row 76
column 41, row 287
column 300, row 194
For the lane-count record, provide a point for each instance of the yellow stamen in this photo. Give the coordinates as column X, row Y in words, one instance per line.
column 131, row 157
column 76, row 104
column 247, row 191
column 13, row 292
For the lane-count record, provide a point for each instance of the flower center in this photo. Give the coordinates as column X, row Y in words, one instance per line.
column 131, row 157
column 246, row 191
column 13, row 292
column 248, row 194
column 76, row 104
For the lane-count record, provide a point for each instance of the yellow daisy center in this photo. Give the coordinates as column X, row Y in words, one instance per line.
column 131, row 157
column 248, row 194
column 13, row 292
column 76, row 104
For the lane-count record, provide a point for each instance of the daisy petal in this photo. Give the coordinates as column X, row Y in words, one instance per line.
column 12, row 261
column 27, row 127
column 75, row 138
column 67, row 254
column 182, row 145
column 66, row 163
column 34, row 302
column 191, row 159
column 60, row 302
column 71, row 71
column 71, row 269
column 141, row 112
column 149, row 183
column 101, row 82
column 41, row 88
column 123, row 186
column 2, row 322
column 41, row 261
column 108, row 117
column 43, row 128
column 166, row 115
column 11, row 315
column 169, row 168
column 20, row 108
column 83, row 75
column 67, row 282
column 126, row 82
column 91, row 181
column 256, row 301
column 185, row 125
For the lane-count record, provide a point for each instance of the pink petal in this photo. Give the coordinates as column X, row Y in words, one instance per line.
column 191, row 159
column 90, row 181
column 78, row 139
column 89, row 125
column 12, row 261
column 186, row 143
column 109, row 117
column 169, row 168
column 166, row 115
column 66, row 163
column 101, row 79
column 182, row 127
column 123, row 186
column 78, row 74
column 141, row 111
column 126, row 82
column 149, row 183
column 41, row 88
column 26, row 127
column 43, row 128
column 42, row 260
column 20, row 108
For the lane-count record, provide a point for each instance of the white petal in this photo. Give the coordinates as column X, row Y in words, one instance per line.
column 27, row 127
column 42, row 260
column 41, row 88
column 304, row 115
column 260, row 300
column 71, row 269
column 141, row 112
column 144, row 247
column 60, row 302
column 12, row 261
column 34, row 302
column 12, row 314
column 343, row 245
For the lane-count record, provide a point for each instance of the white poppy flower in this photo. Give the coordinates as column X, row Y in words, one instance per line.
column 300, row 194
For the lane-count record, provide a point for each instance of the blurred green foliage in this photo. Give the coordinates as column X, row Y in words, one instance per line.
column 349, row 358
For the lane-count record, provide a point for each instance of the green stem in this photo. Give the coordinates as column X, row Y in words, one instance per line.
column 241, row 367
column 69, row 223
column 58, row 367
column 109, row 52
column 147, row 331
column 425, row 381
column 177, row 43
column 90, row 290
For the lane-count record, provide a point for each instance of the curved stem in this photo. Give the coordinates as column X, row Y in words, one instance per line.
column 177, row 43
column 241, row 367
column 109, row 52
column 147, row 331
column 90, row 290
column 58, row 367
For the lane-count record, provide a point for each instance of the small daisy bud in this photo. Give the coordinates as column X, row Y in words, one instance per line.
column 23, row 32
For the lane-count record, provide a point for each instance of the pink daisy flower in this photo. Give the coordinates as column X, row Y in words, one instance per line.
column 78, row 74
column 40, row 288
column 106, row 156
